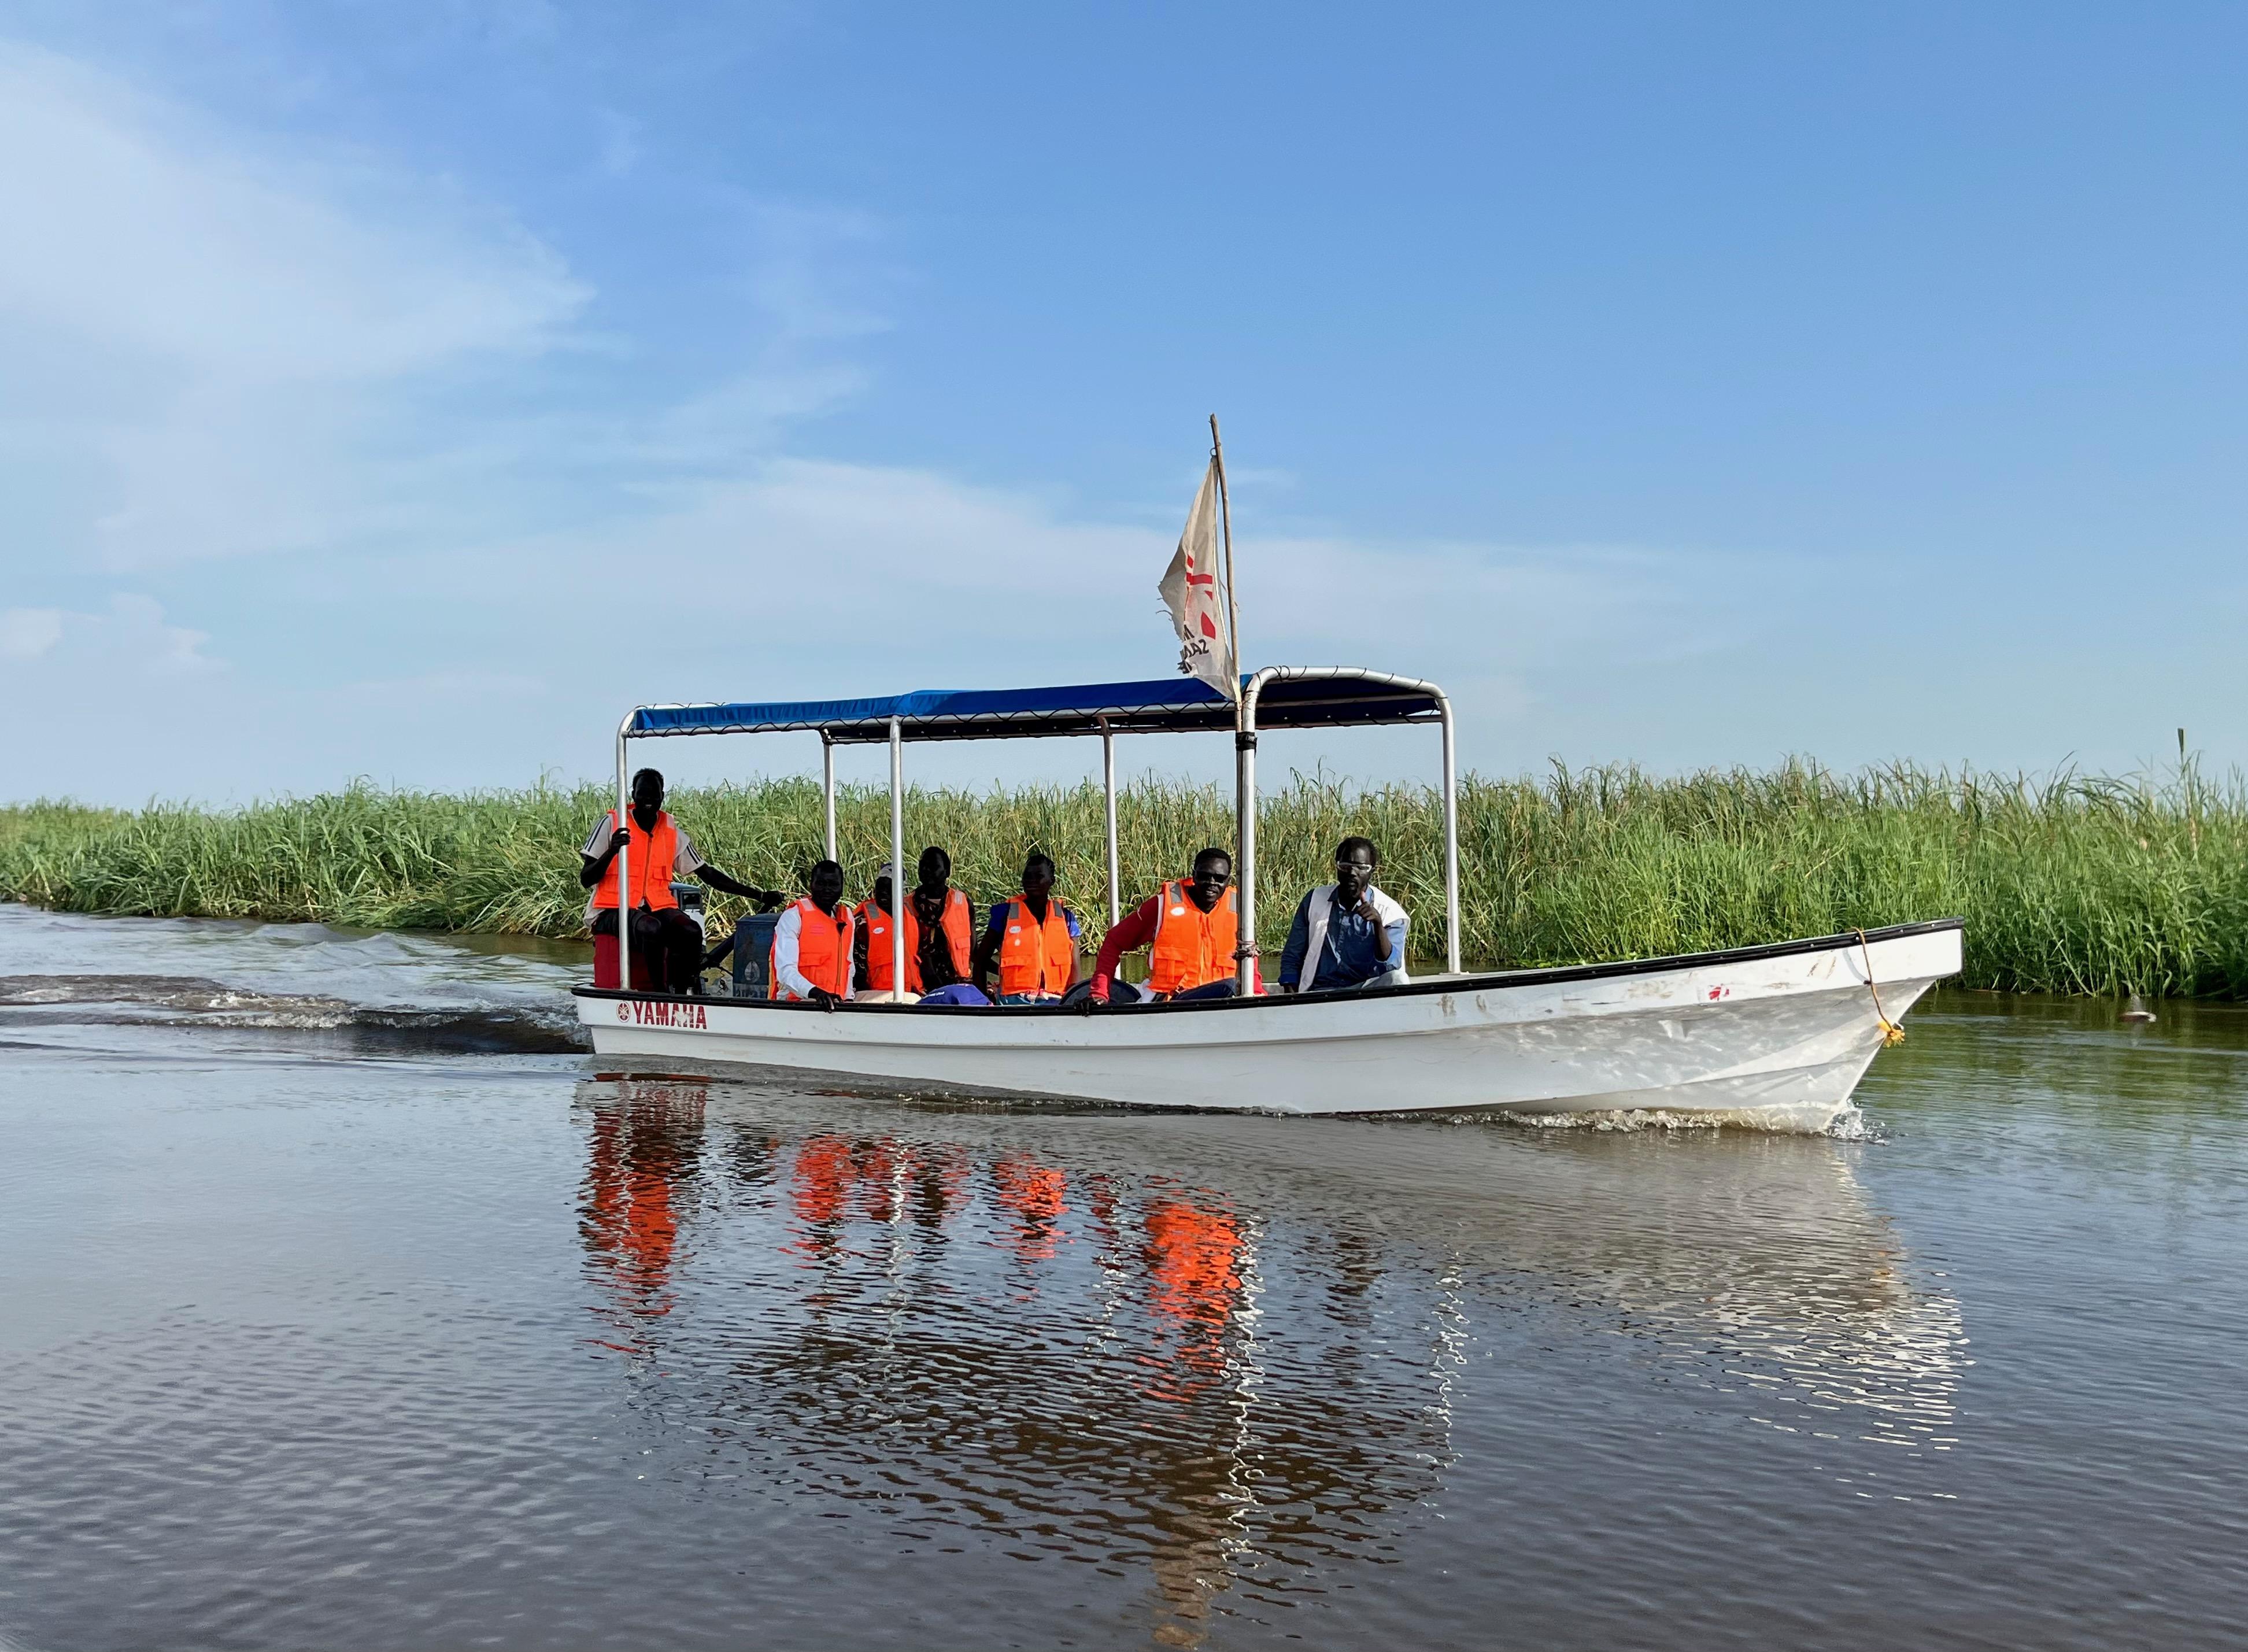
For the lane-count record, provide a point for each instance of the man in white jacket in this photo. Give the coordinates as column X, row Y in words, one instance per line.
column 815, row 967
column 1347, row 933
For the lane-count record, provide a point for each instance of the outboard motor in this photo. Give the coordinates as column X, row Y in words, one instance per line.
column 689, row 896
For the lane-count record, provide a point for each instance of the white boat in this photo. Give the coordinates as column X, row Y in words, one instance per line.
column 1785, row 1029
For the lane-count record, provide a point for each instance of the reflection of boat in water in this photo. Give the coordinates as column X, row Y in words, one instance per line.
column 1793, row 1024
column 1202, row 1348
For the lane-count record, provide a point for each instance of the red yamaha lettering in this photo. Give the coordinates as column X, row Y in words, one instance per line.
column 690, row 1018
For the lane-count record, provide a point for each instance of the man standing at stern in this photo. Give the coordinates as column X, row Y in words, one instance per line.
column 667, row 938
column 1190, row 927
column 1347, row 933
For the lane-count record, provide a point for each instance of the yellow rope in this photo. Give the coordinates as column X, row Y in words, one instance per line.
column 1891, row 1033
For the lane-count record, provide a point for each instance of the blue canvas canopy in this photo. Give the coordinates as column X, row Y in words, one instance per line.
column 1275, row 697
column 1177, row 705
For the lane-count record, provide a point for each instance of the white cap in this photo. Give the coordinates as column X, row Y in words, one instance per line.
column 889, row 870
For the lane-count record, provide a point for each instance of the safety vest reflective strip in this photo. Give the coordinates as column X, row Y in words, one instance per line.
column 649, row 857
column 1035, row 957
column 877, row 923
column 823, row 949
column 1192, row 948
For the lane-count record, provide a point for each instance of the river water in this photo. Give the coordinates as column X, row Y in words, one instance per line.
column 348, row 1303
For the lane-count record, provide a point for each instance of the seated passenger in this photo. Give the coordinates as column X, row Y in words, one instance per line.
column 947, row 926
column 936, row 935
column 871, row 951
column 1347, row 933
column 946, row 922
column 668, row 940
column 1032, row 939
column 811, row 945
column 1191, row 928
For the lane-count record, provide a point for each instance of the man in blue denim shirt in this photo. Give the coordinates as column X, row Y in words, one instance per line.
column 1347, row 932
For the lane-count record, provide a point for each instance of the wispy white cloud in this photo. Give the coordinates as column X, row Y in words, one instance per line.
column 136, row 226
column 25, row 633
column 487, row 535
column 810, row 273
column 251, row 342
column 805, row 576
column 236, row 333
column 131, row 638
column 242, row 351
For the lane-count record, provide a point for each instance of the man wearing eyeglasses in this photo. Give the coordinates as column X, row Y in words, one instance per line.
column 1345, row 933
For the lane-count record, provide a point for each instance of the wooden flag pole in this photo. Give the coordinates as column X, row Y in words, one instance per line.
column 1244, row 746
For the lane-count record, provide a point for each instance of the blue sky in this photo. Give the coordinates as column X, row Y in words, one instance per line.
column 401, row 389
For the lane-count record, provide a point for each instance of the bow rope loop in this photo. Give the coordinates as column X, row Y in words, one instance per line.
column 1891, row 1033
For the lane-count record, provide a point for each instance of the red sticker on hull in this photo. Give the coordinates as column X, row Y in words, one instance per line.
column 684, row 1018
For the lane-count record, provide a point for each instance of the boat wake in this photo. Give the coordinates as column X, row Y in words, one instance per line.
column 194, row 1001
column 1840, row 1123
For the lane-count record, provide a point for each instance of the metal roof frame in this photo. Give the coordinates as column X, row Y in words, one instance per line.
column 1275, row 697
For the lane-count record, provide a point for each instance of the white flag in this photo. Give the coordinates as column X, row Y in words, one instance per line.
column 1190, row 590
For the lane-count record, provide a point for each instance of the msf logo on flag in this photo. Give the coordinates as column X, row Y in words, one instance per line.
column 1190, row 590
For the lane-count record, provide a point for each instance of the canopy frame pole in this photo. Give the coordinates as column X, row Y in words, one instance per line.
column 1451, row 841
column 624, row 858
column 1245, row 825
column 828, row 787
column 897, row 857
column 1108, row 815
column 1244, row 743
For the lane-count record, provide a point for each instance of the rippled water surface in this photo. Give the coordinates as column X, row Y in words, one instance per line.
column 349, row 1304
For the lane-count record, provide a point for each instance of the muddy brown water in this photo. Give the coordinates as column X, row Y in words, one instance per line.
column 350, row 1304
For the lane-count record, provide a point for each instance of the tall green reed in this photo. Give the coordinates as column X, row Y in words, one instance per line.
column 2073, row 884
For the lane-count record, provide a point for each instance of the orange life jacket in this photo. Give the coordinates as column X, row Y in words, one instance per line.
column 823, row 949
column 957, row 927
column 649, row 858
column 1035, row 957
column 1192, row 948
column 877, row 924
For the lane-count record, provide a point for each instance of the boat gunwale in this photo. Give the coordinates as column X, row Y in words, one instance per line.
column 1500, row 980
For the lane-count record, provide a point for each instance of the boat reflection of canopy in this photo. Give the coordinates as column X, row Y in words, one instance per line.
column 1792, row 1025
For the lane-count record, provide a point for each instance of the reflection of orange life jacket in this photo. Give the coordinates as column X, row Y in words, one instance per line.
column 649, row 857
column 1038, row 1196
column 823, row 949
column 1192, row 947
column 1035, row 957
column 878, row 940
column 1194, row 1255
column 822, row 1180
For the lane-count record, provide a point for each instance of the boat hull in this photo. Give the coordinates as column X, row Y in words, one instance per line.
column 1789, row 1029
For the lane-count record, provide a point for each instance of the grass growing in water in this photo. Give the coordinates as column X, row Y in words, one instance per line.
column 2074, row 885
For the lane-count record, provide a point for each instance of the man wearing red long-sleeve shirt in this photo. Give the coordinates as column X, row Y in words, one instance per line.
column 1191, row 927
